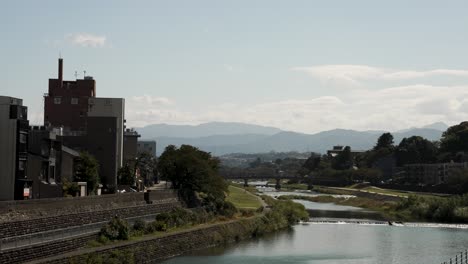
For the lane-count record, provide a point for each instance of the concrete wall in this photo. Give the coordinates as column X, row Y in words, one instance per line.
column 7, row 153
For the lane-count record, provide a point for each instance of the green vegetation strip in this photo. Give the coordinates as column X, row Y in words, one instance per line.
column 243, row 199
column 414, row 208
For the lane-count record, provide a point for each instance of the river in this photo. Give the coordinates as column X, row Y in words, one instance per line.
column 342, row 242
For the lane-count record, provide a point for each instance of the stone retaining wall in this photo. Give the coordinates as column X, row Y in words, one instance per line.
column 44, row 250
column 156, row 249
column 39, row 208
column 17, row 228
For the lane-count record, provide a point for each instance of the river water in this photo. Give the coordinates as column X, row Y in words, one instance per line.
column 342, row 242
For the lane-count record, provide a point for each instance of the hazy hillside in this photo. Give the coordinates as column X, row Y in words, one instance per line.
column 227, row 138
column 204, row 130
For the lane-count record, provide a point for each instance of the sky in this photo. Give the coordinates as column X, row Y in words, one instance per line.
column 304, row 66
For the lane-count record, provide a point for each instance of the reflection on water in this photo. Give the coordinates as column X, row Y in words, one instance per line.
column 341, row 244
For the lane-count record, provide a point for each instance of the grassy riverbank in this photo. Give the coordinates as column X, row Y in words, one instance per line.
column 242, row 198
column 414, row 208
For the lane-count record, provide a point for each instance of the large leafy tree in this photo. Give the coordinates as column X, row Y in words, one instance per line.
column 416, row 149
column 454, row 141
column 192, row 170
column 385, row 141
column 88, row 171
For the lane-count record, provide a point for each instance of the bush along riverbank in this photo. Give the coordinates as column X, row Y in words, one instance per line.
column 452, row 209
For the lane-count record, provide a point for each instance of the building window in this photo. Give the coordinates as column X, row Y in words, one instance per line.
column 51, row 174
column 57, row 100
column 108, row 102
column 23, row 138
column 81, row 114
column 74, row 101
column 21, row 165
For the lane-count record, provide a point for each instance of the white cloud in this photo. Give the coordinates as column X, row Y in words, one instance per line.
column 386, row 109
column 86, row 40
column 152, row 100
column 355, row 74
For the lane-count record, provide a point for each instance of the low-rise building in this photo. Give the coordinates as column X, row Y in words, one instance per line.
column 147, row 146
column 432, row 174
column 338, row 149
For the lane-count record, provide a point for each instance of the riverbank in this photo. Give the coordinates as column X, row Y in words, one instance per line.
column 452, row 209
column 165, row 243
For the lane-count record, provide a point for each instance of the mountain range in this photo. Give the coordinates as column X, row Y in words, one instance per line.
column 221, row 138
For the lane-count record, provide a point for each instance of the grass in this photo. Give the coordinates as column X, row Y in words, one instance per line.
column 242, row 198
column 387, row 209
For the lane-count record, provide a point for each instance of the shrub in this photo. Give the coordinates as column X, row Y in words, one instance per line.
column 139, row 225
column 116, row 229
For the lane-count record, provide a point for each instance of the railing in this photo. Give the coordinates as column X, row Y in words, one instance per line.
column 460, row 258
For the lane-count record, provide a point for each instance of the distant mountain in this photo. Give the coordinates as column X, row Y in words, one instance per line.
column 440, row 126
column 437, row 126
column 232, row 141
column 204, row 130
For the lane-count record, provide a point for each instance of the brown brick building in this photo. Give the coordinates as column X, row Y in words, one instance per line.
column 86, row 122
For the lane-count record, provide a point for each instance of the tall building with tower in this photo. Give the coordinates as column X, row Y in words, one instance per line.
column 87, row 123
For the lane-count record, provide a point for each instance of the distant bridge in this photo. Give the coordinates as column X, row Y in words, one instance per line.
column 258, row 174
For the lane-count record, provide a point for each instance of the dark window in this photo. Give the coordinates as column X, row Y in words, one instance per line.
column 52, row 174
column 57, row 100
column 21, row 165
column 23, row 138
column 74, row 101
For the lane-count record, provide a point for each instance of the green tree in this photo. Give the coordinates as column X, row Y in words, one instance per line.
column 147, row 165
column 125, row 175
column 454, row 141
column 385, row 141
column 87, row 170
column 192, row 170
column 344, row 159
column 416, row 149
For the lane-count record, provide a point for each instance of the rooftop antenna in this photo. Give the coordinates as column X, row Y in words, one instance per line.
column 84, row 74
column 76, row 75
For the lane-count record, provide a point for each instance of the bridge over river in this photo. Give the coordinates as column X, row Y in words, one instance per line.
column 247, row 174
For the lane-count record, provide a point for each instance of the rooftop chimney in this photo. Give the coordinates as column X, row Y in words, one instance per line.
column 60, row 72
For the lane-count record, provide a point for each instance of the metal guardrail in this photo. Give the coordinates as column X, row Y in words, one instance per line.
column 60, row 234
column 460, row 258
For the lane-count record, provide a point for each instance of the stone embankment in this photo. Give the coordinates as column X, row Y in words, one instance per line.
column 39, row 208
column 18, row 228
column 88, row 210
column 155, row 249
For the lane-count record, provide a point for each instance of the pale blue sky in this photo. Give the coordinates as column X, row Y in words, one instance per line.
column 305, row 66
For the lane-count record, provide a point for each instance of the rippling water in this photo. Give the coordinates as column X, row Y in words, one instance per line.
column 341, row 244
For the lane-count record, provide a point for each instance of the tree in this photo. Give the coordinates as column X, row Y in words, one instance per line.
column 344, row 159
column 88, row 171
column 455, row 139
column 257, row 162
column 192, row 170
column 125, row 176
column 311, row 164
column 147, row 165
column 384, row 141
column 416, row 149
